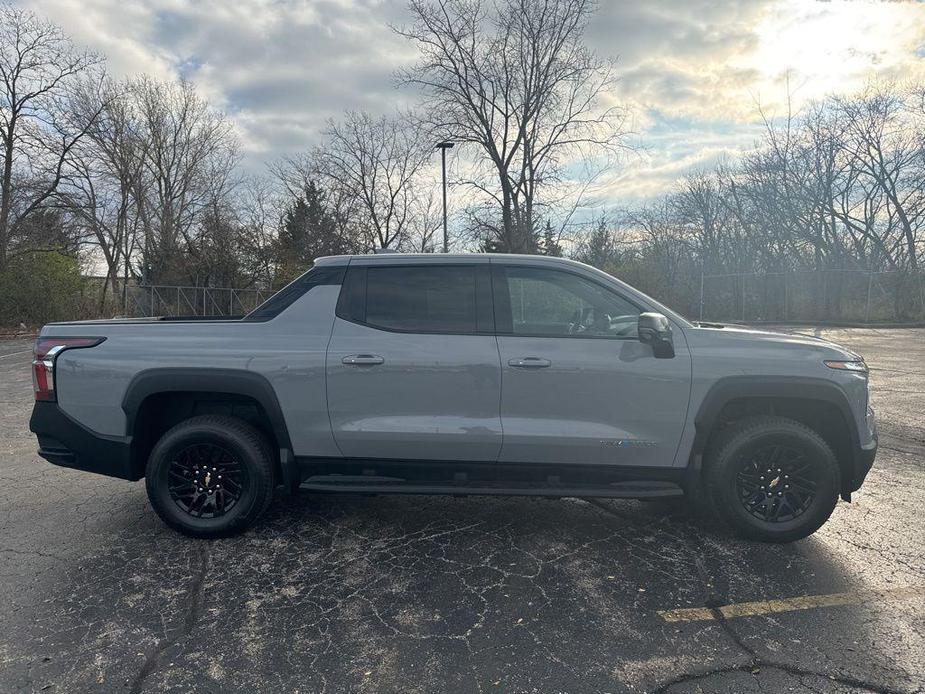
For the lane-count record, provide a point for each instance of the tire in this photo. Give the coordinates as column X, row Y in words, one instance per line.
column 191, row 457
column 772, row 479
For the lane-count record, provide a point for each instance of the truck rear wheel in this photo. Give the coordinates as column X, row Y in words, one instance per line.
column 210, row 476
column 772, row 479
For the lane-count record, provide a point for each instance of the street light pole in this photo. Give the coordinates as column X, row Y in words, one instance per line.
column 443, row 147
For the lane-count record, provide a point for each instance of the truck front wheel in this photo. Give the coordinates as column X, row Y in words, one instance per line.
column 772, row 478
column 210, row 476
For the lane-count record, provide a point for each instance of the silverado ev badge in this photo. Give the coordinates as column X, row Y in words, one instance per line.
column 628, row 443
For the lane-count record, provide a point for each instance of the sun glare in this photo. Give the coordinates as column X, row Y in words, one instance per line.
column 834, row 47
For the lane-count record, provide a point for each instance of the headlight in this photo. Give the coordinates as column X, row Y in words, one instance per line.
column 855, row 366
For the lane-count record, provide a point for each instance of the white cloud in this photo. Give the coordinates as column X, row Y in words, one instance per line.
column 279, row 67
column 692, row 72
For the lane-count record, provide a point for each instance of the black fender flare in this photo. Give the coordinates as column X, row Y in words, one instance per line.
column 209, row 380
column 731, row 388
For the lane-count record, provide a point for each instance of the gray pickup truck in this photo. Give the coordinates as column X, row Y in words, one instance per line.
column 457, row 374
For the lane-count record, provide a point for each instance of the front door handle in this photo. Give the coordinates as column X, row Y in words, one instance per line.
column 530, row 363
column 363, row 360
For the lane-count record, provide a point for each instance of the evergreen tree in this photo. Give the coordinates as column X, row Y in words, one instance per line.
column 490, row 245
column 599, row 249
column 549, row 245
column 308, row 231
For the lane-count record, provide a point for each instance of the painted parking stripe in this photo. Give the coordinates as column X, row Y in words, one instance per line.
column 806, row 602
column 13, row 354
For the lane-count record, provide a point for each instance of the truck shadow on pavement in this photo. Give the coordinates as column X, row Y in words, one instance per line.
column 354, row 593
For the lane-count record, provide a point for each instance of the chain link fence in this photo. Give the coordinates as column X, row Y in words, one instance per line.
column 820, row 296
column 167, row 300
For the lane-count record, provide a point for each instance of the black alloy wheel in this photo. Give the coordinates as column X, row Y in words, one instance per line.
column 205, row 480
column 771, row 478
column 777, row 483
column 211, row 476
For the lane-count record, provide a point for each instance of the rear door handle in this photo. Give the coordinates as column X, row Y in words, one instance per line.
column 530, row 363
column 363, row 360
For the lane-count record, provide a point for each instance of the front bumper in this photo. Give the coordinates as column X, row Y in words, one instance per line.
column 863, row 459
column 67, row 443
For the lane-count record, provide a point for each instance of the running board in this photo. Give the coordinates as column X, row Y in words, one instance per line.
column 370, row 484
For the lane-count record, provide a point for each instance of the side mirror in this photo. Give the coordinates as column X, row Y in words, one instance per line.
column 654, row 329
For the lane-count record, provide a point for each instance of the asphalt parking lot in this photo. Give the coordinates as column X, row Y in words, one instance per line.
column 427, row 594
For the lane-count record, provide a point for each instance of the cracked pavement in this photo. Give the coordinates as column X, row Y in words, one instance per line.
column 424, row 594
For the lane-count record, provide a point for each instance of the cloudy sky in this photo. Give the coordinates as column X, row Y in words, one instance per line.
column 693, row 73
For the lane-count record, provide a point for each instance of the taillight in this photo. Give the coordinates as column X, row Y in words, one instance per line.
column 43, row 361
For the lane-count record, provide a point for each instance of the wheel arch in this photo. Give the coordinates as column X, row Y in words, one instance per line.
column 151, row 390
column 818, row 403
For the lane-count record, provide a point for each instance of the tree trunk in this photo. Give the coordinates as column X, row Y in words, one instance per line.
column 6, row 193
column 507, row 220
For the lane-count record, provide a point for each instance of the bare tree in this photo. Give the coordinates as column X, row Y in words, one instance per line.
column 425, row 222
column 514, row 78
column 887, row 146
column 106, row 170
column 700, row 212
column 377, row 163
column 38, row 66
column 190, row 155
column 259, row 218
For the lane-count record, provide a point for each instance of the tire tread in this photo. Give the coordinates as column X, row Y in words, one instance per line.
column 264, row 475
column 735, row 435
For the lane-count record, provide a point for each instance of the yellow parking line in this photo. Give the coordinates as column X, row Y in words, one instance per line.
column 806, row 602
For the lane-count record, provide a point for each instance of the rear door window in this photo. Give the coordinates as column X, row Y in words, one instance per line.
column 419, row 299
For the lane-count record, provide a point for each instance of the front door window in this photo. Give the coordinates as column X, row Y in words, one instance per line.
column 551, row 303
